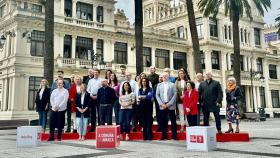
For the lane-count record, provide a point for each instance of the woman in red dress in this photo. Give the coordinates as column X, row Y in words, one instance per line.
column 190, row 104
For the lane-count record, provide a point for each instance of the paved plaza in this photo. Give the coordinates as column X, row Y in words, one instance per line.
column 265, row 142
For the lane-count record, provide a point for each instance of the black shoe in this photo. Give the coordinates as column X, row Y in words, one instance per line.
column 59, row 139
column 92, row 130
column 163, row 138
column 50, row 139
column 134, row 130
column 220, row 132
column 74, row 131
column 68, row 131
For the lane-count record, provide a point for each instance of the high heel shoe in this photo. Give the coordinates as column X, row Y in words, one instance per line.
column 237, row 131
column 229, row 131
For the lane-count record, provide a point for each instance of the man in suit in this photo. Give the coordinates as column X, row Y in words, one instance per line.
column 166, row 97
column 211, row 96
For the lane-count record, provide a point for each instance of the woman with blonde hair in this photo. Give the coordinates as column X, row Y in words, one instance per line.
column 42, row 102
column 233, row 97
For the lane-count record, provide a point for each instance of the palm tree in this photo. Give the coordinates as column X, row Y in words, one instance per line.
column 277, row 20
column 195, row 40
column 49, row 41
column 139, row 35
column 235, row 9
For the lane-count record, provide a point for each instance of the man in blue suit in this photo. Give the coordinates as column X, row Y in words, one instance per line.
column 166, row 96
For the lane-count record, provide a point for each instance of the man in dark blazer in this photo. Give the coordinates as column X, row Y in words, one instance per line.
column 211, row 96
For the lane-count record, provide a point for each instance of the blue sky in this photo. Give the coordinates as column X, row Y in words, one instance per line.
column 128, row 7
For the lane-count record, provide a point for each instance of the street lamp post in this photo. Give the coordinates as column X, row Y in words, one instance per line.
column 97, row 59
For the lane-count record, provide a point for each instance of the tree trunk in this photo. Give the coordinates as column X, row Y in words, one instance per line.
column 195, row 40
column 236, row 47
column 139, row 35
column 49, row 41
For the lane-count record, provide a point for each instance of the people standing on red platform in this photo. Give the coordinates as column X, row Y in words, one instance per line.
column 166, row 96
column 116, row 86
column 92, row 88
column 190, row 104
column 73, row 92
column 211, row 96
column 42, row 102
column 126, row 100
column 145, row 97
column 59, row 98
column 106, row 97
column 181, row 86
column 233, row 97
column 82, row 103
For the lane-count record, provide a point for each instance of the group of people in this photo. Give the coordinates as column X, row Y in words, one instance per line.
column 93, row 100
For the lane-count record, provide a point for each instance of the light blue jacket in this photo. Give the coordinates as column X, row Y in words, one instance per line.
column 171, row 95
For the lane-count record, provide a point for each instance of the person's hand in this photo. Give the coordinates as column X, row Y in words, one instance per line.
column 94, row 97
column 237, row 117
column 219, row 105
column 81, row 110
column 72, row 99
column 233, row 98
column 47, row 107
column 182, row 97
column 188, row 110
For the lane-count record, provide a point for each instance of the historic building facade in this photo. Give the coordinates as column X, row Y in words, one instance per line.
column 86, row 26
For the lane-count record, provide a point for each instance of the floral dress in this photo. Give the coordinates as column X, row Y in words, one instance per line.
column 232, row 110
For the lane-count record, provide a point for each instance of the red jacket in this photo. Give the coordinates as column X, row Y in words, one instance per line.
column 72, row 97
column 190, row 102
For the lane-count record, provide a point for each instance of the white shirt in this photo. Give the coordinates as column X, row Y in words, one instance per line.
column 165, row 96
column 78, row 89
column 41, row 93
column 197, row 85
column 182, row 86
column 93, row 86
column 82, row 98
column 59, row 98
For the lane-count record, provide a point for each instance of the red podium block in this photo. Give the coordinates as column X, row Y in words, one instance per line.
column 107, row 136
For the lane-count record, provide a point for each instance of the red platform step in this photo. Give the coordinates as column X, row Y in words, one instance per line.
column 225, row 137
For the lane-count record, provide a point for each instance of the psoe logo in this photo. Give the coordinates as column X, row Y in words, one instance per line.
column 196, row 139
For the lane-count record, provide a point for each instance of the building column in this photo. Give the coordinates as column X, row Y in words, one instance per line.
column 208, row 64
column 255, row 98
column 190, row 63
column 258, row 97
column 171, row 59
column 245, row 63
column 62, row 7
column 224, row 77
column 94, row 12
column 4, row 95
column 73, row 45
column 74, row 2
column 153, row 56
column 11, row 91
column 206, row 29
column 248, row 98
column 268, row 101
column 61, row 46
column 249, row 63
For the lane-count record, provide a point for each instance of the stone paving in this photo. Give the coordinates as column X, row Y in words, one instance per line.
column 265, row 142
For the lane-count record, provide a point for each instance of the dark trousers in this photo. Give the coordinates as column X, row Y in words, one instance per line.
column 136, row 116
column 92, row 109
column 157, row 113
column 192, row 120
column 199, row 108
column 206, row 116
column 57, row 120
column 117, row 111
column 125, row 120
column 164, row 114
column 147, row 119
column 106, row 112
column 68, row 110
